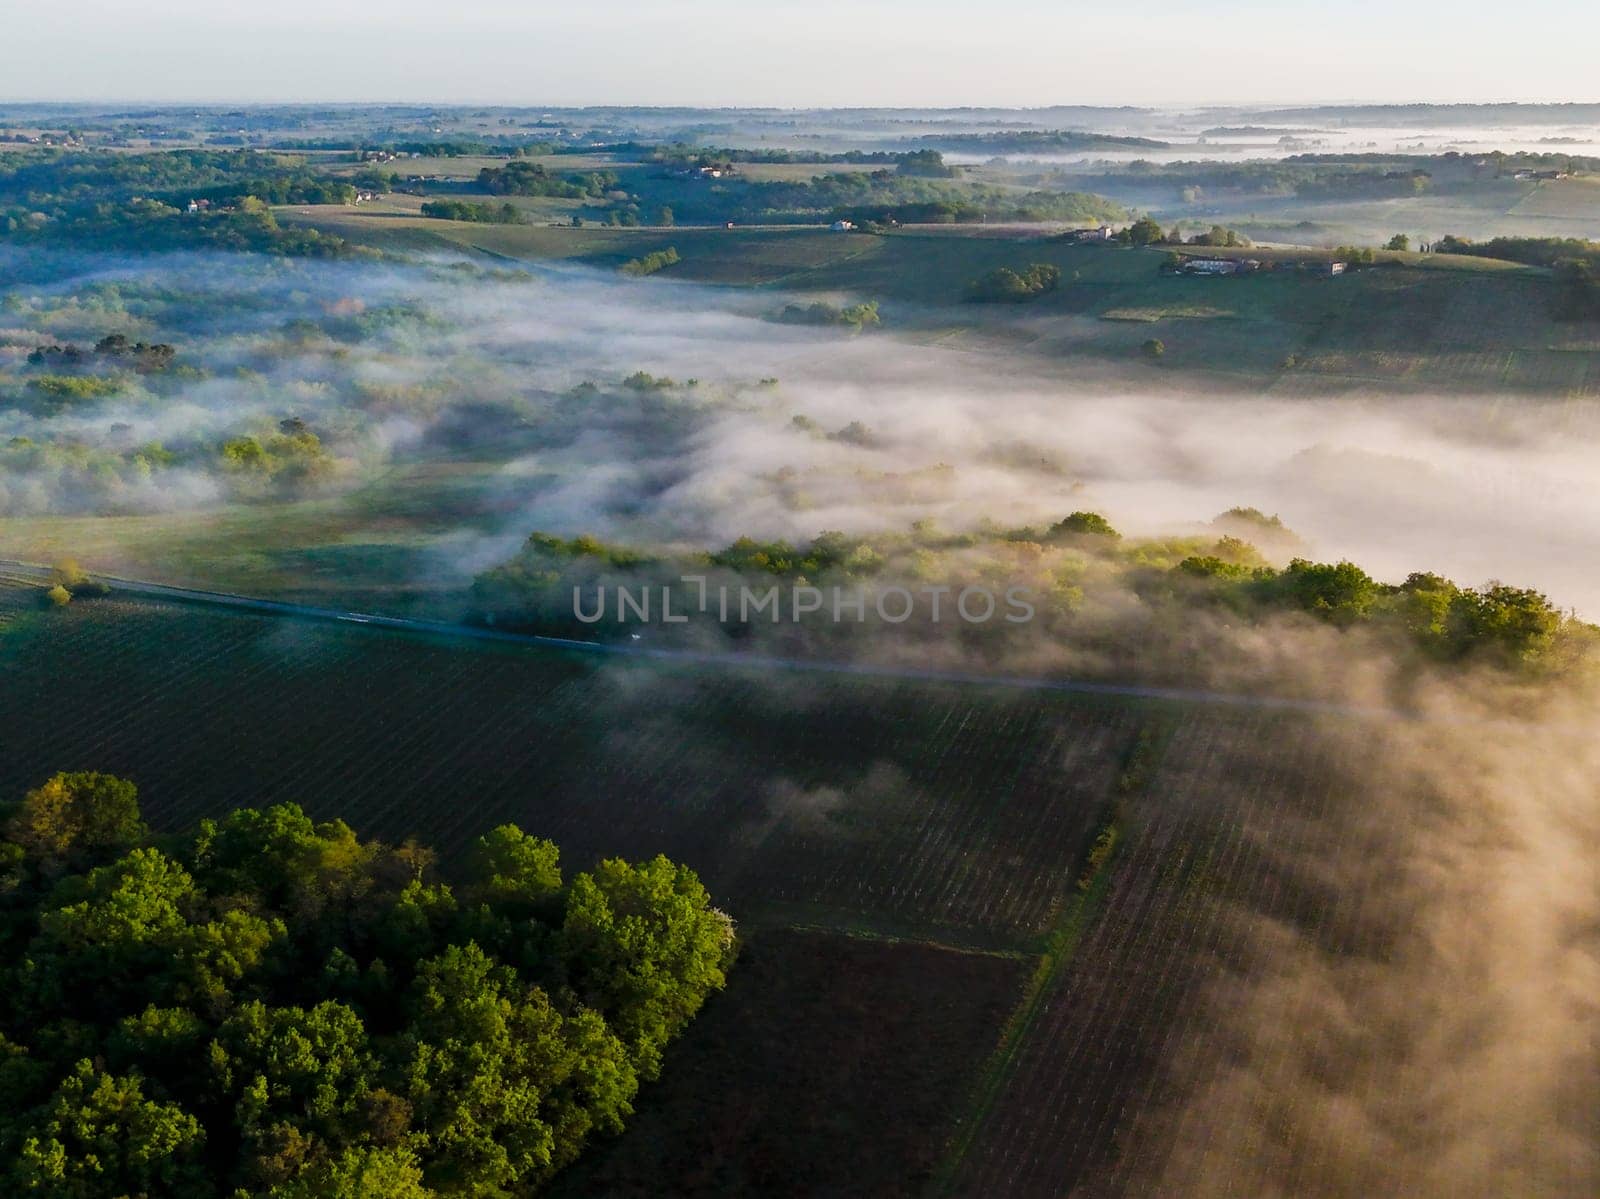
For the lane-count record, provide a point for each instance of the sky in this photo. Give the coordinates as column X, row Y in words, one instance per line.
column 786, row 53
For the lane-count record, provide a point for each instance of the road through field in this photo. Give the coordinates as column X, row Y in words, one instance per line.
column 136, row 588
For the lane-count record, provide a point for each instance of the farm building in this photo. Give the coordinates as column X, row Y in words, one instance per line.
column 706, row 171
column 1317, row 268
column 1098, row 233
column 1210, row 266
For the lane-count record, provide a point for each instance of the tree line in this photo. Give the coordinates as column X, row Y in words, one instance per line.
column 481, row 214
column 521, row 178
column 1509, row 626
column 1499, row 625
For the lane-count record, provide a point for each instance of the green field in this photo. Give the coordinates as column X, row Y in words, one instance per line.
column 1415, row 323
column 376, row 546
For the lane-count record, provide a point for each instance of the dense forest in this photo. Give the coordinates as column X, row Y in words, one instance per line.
column 106, row 200
column 883, row 196
column 268, row 1005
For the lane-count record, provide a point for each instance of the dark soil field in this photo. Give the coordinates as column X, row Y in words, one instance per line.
column 1172, row 919
column 940, row 993
column 946, row 825
column 956, row 812
column 832, row 1065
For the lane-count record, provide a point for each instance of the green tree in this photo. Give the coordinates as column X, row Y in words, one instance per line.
column 1398, row 242
column 99, row 1135
column 644, row 943
column 309, row 1068
column 1146, row 231
column 1004, row 285
column 650, row 263
column 510, row 867
column 166, row 1044
column 482, row 1045
column 77, row 817
column 1516, row 625
column 279, row 853
column 110, row 936
column 1577, row 292
column 359, row 1172
column 1080, row 524
column 1342, row 593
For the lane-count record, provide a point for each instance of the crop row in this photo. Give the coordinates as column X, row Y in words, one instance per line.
column 851, row 797
column 1137, row 1028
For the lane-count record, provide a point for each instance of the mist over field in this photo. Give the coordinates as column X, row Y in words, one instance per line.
column 387, row 363
column 1257, row 859
column 1387, row 948
column 1408, row 1007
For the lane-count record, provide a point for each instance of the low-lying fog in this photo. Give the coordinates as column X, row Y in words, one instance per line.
column 1444, row 1056
column 1248, row 141
column 400, row 360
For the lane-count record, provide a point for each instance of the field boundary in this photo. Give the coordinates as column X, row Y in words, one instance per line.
column 1060, row 943
column 1085, row 893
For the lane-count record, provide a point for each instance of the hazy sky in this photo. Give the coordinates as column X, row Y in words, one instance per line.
column 788, row 53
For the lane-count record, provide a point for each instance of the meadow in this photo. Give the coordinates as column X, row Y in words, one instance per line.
column 1417, row 323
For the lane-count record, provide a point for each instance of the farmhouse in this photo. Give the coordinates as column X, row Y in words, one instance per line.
column 719, row 170
column 1209, row 266
column 1098, row 233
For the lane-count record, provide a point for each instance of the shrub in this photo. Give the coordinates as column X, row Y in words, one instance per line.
column 856, row 317
column 651, row 263
column 1006, row 286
